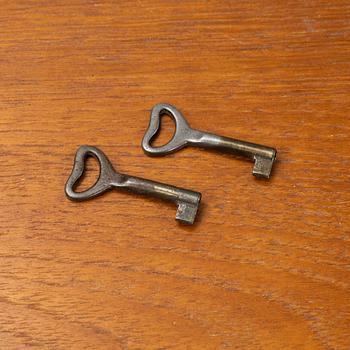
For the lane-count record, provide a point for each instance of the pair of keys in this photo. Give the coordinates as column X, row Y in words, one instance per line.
column 187, row 201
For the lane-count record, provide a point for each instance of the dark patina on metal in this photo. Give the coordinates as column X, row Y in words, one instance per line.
column 187, row 201
column 262, row 156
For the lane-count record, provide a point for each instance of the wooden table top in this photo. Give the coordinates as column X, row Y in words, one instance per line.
column 266, row 266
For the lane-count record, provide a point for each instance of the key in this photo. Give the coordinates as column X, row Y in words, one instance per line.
column 262, row 156
column 187, row 201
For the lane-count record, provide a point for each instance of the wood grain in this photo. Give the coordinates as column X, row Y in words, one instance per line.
column 267, row 264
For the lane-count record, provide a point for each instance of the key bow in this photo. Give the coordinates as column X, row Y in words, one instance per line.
column 178, row 140
column 103, row 182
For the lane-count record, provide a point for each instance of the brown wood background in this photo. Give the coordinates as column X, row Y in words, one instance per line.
column 267, row 264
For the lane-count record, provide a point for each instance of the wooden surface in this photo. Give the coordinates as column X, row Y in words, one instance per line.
column 267, row 264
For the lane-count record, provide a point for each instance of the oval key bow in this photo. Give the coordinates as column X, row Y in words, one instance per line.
column 103, row 182
column 178, row 141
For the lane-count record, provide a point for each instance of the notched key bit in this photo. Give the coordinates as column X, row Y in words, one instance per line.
column 187, row 201
column 262, row 156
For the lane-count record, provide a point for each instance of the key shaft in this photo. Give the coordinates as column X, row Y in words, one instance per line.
column 186, row 200
column 263, row 156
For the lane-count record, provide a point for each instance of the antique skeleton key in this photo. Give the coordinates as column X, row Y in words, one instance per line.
column 187, row 201
column 262, row 156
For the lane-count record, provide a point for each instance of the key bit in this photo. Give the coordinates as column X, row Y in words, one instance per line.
column 187, row 201
column 262, row 156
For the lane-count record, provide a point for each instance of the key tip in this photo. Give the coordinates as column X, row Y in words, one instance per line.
column 186, row 213
column 263, row 167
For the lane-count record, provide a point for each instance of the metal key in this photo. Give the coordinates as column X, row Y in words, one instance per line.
column 184, row 135
column 187, row 201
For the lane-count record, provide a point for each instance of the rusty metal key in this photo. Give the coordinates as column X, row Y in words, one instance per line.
column 262, row 156
column 187, row 201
